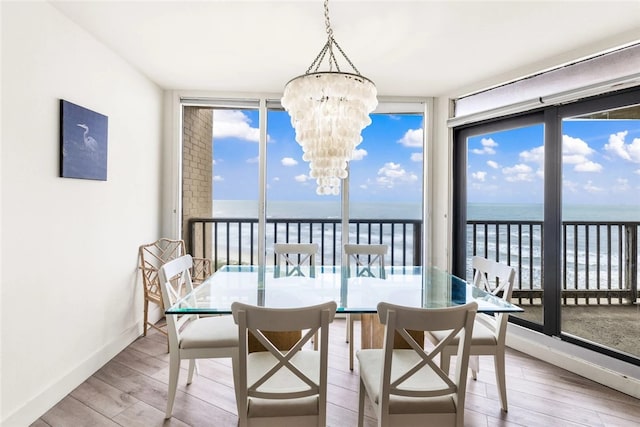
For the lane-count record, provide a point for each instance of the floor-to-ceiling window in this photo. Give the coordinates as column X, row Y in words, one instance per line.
column 262, row 192
column 504, row 207
column 601, row 217
column 296, row 213
column 386, row 186
column 556, row 193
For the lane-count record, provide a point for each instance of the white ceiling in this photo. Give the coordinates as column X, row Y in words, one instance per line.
column 408, row 48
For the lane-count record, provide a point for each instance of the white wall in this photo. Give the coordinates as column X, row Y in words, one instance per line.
column 71, row 296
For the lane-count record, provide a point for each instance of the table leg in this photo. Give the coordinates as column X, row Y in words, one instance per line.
column 372, row 334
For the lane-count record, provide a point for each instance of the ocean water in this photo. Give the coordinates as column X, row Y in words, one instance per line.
column 475, row 211
column 315, row 209
column 521, row 247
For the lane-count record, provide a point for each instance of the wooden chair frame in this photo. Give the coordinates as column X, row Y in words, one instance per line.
column 151, row 257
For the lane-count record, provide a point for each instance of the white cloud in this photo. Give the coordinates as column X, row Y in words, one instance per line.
column 412, row 138
column 637, row 171
column 288, row 161
column 276, row 178
column 573, row 159
column 358, row 154
column 518, row 173
column 570, row 186
column 576, row 152
column 302, row 178
column 253, row 159
column 363, row 186
column 392, row 173
column 488, row 145
column 588, row 166
column 621, row 185
column 590, row 188
column 492, row 164
column 416, row 157
column 234, row 124
column 218, row 178
column 617, row 146
column 535, row 155
column 479, row 176
column 575, row 146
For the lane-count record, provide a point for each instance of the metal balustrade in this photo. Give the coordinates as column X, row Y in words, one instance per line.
column 600, row 259
column 235, row 240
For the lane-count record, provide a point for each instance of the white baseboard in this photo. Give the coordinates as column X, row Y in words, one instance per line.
column 52, row 394
column 600, row 368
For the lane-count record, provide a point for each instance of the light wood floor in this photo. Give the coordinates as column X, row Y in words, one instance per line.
column 131, row 390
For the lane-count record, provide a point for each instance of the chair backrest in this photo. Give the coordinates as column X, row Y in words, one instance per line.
column 175, row 282
column 498, row 279
column 286, row 374
column 151, row 257
column 366, row 259
column 494, row 277
column 416, row 371
column 294, row 256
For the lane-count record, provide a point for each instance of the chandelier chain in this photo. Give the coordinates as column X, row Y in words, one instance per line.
column 328, row 47
column 328, row 110
column 327, row 23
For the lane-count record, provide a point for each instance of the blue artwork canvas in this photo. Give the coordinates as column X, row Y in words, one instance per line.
column 83, row 142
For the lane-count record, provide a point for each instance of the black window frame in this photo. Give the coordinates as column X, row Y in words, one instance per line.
column 551, row 117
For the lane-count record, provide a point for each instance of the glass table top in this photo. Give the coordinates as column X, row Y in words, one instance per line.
column 270, row 286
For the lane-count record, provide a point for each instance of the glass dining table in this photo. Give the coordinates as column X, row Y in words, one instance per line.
column 355, row 292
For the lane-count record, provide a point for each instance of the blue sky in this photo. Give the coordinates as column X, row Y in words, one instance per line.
column 601, row 161
column 601, row 164
column 387, row 165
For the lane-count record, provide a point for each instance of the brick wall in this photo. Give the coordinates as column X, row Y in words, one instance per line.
column 197, row 167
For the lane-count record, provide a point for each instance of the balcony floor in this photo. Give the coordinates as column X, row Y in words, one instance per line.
column 614, row 326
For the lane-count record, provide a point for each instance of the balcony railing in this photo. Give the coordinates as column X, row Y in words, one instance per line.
column 599, row 259
column 235, row 240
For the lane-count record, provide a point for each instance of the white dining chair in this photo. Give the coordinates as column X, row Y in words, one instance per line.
column 282, row 386
column 406, row 386
column 363, row 260
column 490, row 331
column 292, row 257
column 190, row 336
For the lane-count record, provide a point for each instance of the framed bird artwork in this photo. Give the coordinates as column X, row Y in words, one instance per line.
column 83, row 142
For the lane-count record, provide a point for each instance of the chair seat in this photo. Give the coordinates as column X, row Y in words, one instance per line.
column 283, row 381
column 263, row 408
column 481, row 335
column 370, row 362
column 209, row 332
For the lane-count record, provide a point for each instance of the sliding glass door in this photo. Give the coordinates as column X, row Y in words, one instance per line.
column 556, row 194
column 600, row 220
column 502, row 215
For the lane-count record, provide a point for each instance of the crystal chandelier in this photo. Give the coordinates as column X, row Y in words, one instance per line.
column 328, row 110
